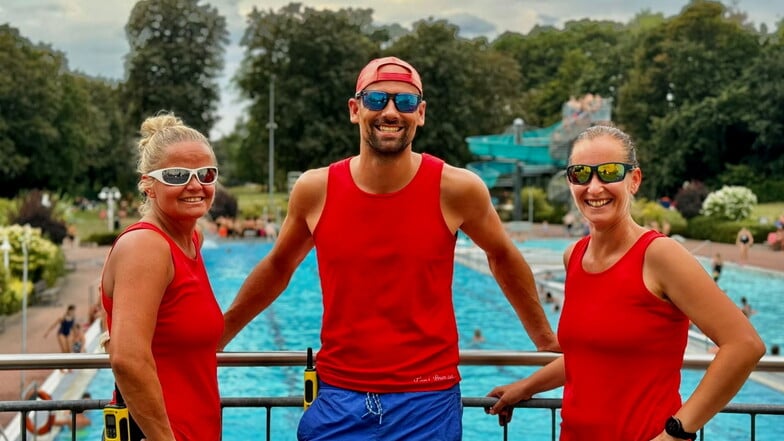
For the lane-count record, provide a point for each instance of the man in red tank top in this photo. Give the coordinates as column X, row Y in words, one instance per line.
column 384, row 225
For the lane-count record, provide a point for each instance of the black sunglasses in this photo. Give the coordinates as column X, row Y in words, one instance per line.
column 376, row 100
column 181, row 176
column 608, row 172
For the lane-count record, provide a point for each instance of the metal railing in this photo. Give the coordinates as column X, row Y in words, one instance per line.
column 298, row 358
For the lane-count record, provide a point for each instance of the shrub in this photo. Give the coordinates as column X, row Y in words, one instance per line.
column 45, row 261
column 11, row 298
column 38, row 214
column 645, row 212
column 739, row 174
column 729, row 203
column 6, row 209
column 689, row 199
column 101, row 239
column 770, row 190
column 542, row 210
column 225, row 204
column 7, row 296
column 707, row 228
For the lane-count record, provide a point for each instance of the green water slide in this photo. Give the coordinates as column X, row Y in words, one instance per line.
column 537, row 151
column 501, row 153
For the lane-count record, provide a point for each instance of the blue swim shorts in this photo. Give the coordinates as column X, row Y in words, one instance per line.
column 346, row 415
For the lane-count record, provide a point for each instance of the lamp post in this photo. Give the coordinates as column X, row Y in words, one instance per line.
column 518, row 187
column 25, row 242
column 110, row 195
column 518, row 125
column 271, row 126
column 6, row 247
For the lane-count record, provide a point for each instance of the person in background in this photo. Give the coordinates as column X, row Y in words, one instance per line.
column 82, row 420
column 77, row 340
column 745, row 307
column 64, row 327
column 569, row 222
column 716, row 265
column 96, row 313
column 666, row 227
column 744, row 240
column 72, row 236
column 164, row 322
column 384, row 224
column 478, row 337
column 629, row 295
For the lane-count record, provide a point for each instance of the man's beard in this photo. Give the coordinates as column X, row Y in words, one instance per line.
column 389, row 148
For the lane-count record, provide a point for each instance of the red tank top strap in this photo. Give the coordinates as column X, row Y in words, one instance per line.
column 648, row 237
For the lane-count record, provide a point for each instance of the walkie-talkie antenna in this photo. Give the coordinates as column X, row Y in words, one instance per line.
column 311, row 381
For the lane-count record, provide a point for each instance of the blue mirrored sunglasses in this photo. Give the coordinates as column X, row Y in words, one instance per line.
column 181, row 176
column 376, row 100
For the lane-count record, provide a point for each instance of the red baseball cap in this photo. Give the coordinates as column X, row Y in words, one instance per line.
column 370, row 74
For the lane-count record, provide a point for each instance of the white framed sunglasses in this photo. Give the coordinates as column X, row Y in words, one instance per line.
column 179, row 176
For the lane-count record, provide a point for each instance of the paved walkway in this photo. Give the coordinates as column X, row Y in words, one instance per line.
column 80, row 289
column 760, row 255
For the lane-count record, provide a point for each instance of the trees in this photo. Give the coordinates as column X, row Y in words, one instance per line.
column 700, row 92
column 763, row 108
column 681, row 101
column 29, row 97
column 470, row 89
column 314, row 57
column 555, row 64
column 175, row 57
column 59, row 130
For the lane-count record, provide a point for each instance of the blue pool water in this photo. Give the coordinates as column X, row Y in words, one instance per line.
column 293, row 322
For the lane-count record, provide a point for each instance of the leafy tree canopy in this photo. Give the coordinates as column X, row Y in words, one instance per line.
column 176, row 55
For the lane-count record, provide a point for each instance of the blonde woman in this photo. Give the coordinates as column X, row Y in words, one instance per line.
column 164, row 322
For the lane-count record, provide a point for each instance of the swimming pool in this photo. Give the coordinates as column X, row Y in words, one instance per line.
column 293, row 322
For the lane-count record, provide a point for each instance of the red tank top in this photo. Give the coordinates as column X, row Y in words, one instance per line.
column 386, row 263
column 623, row 351
column 189, row 326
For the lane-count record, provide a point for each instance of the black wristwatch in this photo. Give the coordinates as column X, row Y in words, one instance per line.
column 674, row 428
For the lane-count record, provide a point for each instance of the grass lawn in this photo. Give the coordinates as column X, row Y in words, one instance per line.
column 89, row 222
column 254, row 202
column 771, row 211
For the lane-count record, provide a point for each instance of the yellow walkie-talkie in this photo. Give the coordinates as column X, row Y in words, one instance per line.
column 116, row 426
column 116, row 419
column 311, row 381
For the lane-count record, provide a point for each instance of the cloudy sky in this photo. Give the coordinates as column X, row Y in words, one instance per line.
column 91, row 32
